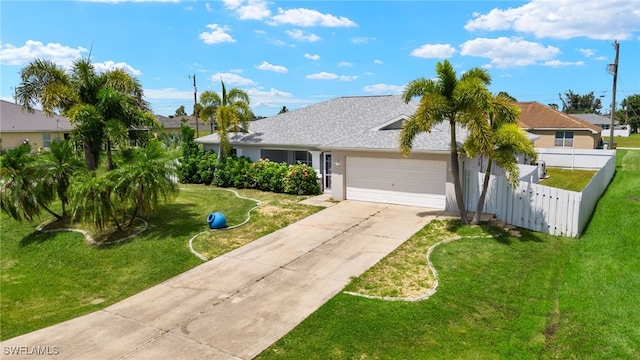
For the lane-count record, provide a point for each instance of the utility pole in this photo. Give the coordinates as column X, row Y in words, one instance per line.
column 614, row 68
column 195, row 103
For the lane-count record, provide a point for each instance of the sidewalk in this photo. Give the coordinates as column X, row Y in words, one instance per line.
column 237, row 305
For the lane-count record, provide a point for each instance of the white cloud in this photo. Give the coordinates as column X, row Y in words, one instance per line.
column 344, row 64
column 231, row 79
column 369, row 73
column 60, row 54
column 322, row 76
column 208, row 7
column 217, row 35
column 248, row 10
column 508, row 52
column 299, row 35
column 188, row 8
column 236, row 71
column 269, row 67
column 383, row 89
column 558, row 63
column 361, row 39
column 232, row 4
column 167, row 93
column 601, row 58
column 312, row 57
column 348, row 78
column 438, row 51
column 595, row 19
column 307, row 17
column 587, row 52
column 110, row 65
column 376, row 61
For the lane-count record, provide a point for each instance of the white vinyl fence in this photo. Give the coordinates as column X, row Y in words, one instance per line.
column 543, row 208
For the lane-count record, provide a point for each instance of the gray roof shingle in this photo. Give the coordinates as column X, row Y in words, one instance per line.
column 344, row 122
column 14, row 119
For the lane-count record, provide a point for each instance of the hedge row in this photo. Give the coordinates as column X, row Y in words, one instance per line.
column 240, row 172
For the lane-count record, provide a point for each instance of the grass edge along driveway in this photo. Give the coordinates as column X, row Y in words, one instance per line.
column 48, row 278
column 533, row 297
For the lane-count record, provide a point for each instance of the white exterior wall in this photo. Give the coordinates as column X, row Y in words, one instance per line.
column 341, row 157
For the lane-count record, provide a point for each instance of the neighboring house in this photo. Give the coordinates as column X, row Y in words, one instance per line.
column 605, row 123
column 352, row 142
column 557, row 129
column 173, row 124
column 18, row 127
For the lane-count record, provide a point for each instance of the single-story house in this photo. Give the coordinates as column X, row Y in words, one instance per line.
column 18, row 127
column 557, row 129
column 173, row 124
column 352, row 143
column 605, row 123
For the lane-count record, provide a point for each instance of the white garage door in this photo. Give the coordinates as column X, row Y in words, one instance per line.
column 397, row 181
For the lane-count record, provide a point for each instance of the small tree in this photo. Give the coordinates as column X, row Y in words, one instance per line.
column 55, row 169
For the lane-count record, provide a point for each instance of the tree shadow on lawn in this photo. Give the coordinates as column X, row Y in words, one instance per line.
column 173, row 221
column 498, row 234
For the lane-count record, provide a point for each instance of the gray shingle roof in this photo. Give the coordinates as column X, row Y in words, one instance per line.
column 594, row 119
column 344, row 122
column 14, row 119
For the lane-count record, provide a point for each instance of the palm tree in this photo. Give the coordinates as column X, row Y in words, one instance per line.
column 494, row 133
column 119, row 112
column 209, row 103
column 56, row 168
column 17, row 196
column 232, row 114
column 75, row 94
column 146, row 177
column 444, row 99
column 93, row 203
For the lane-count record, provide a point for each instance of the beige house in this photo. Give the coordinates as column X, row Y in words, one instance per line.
column 557, row 129
column 18, row 127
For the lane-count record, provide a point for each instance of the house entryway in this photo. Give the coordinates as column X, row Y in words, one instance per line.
column 326, row 176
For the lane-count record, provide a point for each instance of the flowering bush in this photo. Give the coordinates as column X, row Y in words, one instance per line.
column 302, row 180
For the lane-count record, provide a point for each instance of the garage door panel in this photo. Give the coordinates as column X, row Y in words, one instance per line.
column 397, row 181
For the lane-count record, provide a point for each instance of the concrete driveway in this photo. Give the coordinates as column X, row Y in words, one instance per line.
column 236, row 305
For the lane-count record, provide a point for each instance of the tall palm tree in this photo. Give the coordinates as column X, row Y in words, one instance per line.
column 494, row 133
column 444, row 99
column 209, row 103
column 145, row 178
column 232, row 114
column 75, row 94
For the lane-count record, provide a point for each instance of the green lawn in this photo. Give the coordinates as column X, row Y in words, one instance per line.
column 51, row 277
column 568, row 179
column 534, row 297
column 633, row 141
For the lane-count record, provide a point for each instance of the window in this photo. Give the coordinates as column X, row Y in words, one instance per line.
column 303, row 157
column 564, row 139
column 46, row 140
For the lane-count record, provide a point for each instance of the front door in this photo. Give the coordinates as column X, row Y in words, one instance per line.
column 327, row 171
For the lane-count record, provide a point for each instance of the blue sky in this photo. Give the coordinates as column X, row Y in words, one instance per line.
column 296, row 53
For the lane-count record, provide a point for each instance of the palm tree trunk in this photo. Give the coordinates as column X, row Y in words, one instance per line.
column 455, row 172
column 58, row 217
column 88, row 155
column 483, row 194
column 109, row 158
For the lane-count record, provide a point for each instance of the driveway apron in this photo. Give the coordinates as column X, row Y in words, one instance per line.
column 238, row 304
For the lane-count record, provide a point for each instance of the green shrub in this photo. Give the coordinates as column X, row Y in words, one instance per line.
column 301, row 179
column 266, row 175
